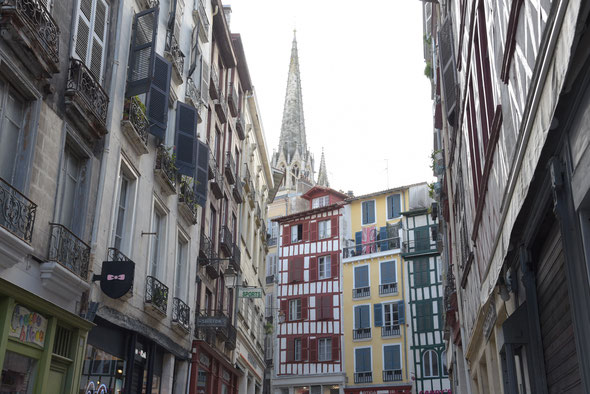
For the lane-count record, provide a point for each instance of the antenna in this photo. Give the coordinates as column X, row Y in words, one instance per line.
column 387, row 172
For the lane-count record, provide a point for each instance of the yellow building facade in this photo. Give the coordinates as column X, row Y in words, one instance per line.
column 374, row 297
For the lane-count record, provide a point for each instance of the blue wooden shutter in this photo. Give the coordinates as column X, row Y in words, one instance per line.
column 388, row 272
column 142, row 52
column 357, row 317
column 361, row 276
column 185, row 141
column 366, row 359
column 395, row 205
column 360, row 360
column 388, row 362
column 400, row 312
column 378, row 310
column 358, row 241
column 157, row 110
column 202, row 173
column 365, row 320
column 382, row 236
column 371, row 213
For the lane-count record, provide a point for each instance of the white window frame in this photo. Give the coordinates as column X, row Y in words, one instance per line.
column 295, row 309
column 319, row 202
column 390, row 305
column 383, row 355
column 325, row 229
column 388, row 206
column 394, row 262
column 181, row 266
column 430, row 373
column 125, row 170
column 296, row 236
column 297, row 349
column 326, row 344
column 368, row 275
column 370, row 358
column 374, row 213
column 156, row 267
column 354, row 315
column 325, row 262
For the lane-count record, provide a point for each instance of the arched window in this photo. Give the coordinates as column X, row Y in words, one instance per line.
column 430, row 363
column 443, row 361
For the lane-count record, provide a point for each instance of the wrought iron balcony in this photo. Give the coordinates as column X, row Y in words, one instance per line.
column 212, row 165
column 361, row 333
column 388, row 288
column 226, row 240
column 363, row 377
column 17, row 213
column 200, row 17
column 32, row 33
column 258, row 215
column 232, row 333
column 206, row 334
column 213, row 267
column 236, row 257
column 247, row 179
column 181, row 313
column 176, row 57
column 272, row 241
column 233, row 100
column 205, row 249
column 222, row 332
column 241, row 126
column 390, row 331
column 156, row 295
column 187, row 201
column 135, row 124
column 68, row 250
column 166, row 170
column 86, row 100
column 230, row 168
column 371, row 247
column 221, row 108
column 216, row 183
column 361, row 292
column 392, row 375
column 270, row 279
column 214, row 83
column 193, row 95
column 450, row 291
column 238, row 192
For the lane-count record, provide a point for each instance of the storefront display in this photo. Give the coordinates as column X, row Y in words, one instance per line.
column 18, row 374
column 102, row 369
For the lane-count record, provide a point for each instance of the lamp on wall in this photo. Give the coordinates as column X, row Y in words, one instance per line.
column 231, row 277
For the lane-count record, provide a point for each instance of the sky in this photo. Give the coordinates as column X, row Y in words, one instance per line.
column 365, row 97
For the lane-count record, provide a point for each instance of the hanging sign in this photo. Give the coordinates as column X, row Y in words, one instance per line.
column 27, row 326
column 250, row 292
column 211, row 321
column 116, row 278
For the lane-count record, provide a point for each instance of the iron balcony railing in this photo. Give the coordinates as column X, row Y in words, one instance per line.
column 232, row 333
column 84, row 87
column 372, row 247
column 238, row 192
column 361, row 292
column 221, row 108
column 115, row 254
column 156, row 294
column 17, row 212
column 68, row 250
column 233, row 100
column 204, row 333
column 38, row 24
column 236, row 257
column 181, row 313
column 361, row 333
column 270, row 279
column 193, row 93
column 165, row 163
column 363, row 377
column 222, row 332
column 230, row 167
column 241, row 125
column 187, row 197
column 226, row 240
column 212, row 268
column 205, row 249
column 176, row 55
column 216, row 181
column 272, row 241
column 392, row 375
column 390, row 331
column 388, row 288
column 134, row 112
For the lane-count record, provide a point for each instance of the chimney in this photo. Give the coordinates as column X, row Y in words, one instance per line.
column 350, row 193
column 227, row 13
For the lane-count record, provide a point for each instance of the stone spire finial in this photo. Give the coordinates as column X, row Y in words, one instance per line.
column 323, row 173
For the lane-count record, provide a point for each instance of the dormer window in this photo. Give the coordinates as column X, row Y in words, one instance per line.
column 320, row 202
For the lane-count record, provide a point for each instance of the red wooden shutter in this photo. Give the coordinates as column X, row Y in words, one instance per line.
column 298, row 269
column 313, row 269
column 313, row 231
column 336, row 348
column 304, row 348
column 319, row 307
column 285, row 308
column 286, row 233
column 334, row 229
column 304, row 308
column 313, row 350
column 335, row 264
column 327, row 307
column 305, row 231
column 290, row 349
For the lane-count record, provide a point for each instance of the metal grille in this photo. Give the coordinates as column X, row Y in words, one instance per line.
column 63, row 341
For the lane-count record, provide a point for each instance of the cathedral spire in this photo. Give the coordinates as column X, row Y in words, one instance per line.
column 322, row 173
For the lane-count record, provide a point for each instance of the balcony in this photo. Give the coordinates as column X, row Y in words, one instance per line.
column 361, row 292
column 17, row 213
column 233, row 100
column 392, row 375
column 232, row 334
column 135, row 125
column 270, row 279
column 263, row 234
column 28, row 28
column 176, row 57
column 450, row 292
column 206, row 334
column 390, row 331
column 214, row 83
column 241, row 126
column 216, row 183
column 236, row 257
column 238, row 192
column 212, row 268
column 221, row 108
column 200, row 17
column 363, row 377
column 165, row 170
column 187, row 201
column 68, row 250
column 258, row 215
column 222, row 331
column 86, row 101
column 156, row 295
column 272, row 241
column 193, row 96
column 226, row 240
column 230, row 168
column 205, row 249
column 181, row 314
column 361, row 333
column 388, row 288
column 419, row 246
column 383, row 245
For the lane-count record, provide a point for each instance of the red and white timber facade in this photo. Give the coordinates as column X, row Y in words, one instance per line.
column 308, row 339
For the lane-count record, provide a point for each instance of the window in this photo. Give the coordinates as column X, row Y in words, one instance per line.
column 368, row 212
column 324, row 307
column 12, row 138
column 72, row 190
column 320, row 202
column 430, row 363
column 90, row 35
column 324, row 265
column 181, row 274
column 388, row 272
column 421, row 272
column 295, row 309
column 362, row 317
column 324, row 229
column 124, row 211
column 424, row 320
column 362, row 359
column 297, row 349
column 361, row 276
column 393, row 206
column 296, row 233
column 158, row 228
column 392, row 358
column 390, row 315
column 213, row 225
column 324, row 349
column 421, row 239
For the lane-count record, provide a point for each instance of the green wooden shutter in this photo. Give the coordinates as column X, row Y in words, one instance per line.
column 142, row 53
column 158, row 97
column 382, row 237
column 202, row 180
column 185, row 141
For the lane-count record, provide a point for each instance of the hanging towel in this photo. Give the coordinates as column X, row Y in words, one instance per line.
column 369, row 238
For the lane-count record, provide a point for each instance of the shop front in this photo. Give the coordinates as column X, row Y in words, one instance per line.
column 211, row 372
column 41, row 345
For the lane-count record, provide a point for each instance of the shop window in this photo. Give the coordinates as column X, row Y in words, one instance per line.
column 101, row 368
column 19, row 373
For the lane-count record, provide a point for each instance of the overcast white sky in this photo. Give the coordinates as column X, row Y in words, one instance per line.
column 365, row 97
